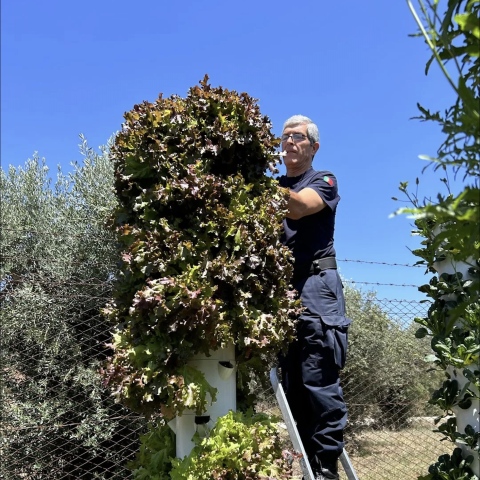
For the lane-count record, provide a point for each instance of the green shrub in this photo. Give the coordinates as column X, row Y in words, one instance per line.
column 56, row 268
column 157, row 451
column 384, row 379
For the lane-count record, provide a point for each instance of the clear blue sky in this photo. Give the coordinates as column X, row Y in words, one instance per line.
column 76, row 67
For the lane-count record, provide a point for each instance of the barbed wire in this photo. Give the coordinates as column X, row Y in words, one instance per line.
column 402, row 301
column 101, row 235
column 63, row 260
column 381, row 284
column 38, row 279
column 100, row 232
column 104, row 232
column 381, row 263
column 7, row 257
column 101, row 283
column 54, row 426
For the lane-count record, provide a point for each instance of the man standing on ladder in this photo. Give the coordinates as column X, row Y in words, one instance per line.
column 310, row 369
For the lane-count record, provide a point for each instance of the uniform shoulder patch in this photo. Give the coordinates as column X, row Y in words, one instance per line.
column 329, row 180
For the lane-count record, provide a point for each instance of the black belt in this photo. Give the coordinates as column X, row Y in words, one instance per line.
column 307, row 269
column 323, row 264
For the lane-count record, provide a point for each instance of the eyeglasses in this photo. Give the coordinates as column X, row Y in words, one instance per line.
column 296, row 137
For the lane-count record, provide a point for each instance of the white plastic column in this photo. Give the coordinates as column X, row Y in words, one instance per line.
column 219, row 371
column 469, row 416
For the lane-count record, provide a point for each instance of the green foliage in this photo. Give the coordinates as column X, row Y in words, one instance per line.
column 453, row 38
column 198, row 225
column 469, row 437
column 451, row 467
column 57, row 260
column 449, row 225
column 453, row 320
column 449, row 395
column 157, row 451
column 239, row 447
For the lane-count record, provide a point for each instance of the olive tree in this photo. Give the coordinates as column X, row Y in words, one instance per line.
column 57, row 264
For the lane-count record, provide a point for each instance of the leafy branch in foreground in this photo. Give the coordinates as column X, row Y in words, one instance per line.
column 449, row 226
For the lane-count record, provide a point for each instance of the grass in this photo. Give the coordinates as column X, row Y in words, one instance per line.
column 402, row 455
column 393, row 455
column 382, row 454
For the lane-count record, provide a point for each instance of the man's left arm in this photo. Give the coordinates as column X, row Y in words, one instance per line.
column 305, row 202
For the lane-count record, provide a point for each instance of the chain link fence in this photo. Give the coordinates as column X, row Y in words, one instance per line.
column 390, row 429
column 58, row 422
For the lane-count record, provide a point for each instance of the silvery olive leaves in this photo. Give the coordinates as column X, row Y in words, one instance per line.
column 202, row 266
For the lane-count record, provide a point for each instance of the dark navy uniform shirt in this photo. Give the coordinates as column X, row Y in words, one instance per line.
column 311, row 237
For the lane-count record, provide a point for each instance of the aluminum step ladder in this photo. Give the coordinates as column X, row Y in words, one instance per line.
column 295, row 437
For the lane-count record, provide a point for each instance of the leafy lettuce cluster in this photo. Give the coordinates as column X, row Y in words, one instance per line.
column 241, row 446
column 202, row 265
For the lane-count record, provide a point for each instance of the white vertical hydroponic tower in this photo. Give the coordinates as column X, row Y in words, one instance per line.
column 218, row 369
column 468, row 416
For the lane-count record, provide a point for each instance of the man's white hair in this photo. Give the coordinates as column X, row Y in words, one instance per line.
column 312, row 129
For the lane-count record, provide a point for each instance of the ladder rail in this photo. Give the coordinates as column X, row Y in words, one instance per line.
column 295, row 437
column 291, row 426
column 347, row 466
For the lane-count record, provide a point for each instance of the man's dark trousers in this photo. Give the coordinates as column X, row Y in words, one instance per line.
column 310, row 370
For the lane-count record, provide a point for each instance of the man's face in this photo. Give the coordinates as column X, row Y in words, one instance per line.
column 299, row 151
